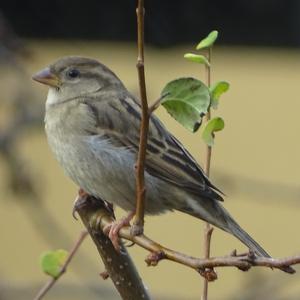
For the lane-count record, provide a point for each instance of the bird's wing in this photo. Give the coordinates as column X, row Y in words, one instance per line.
column 166, row 158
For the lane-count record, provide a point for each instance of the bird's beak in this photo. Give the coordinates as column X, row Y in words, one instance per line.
column 45, row 76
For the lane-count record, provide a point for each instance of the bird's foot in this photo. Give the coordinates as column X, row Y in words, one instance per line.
column 79, row 202
column 112, row 230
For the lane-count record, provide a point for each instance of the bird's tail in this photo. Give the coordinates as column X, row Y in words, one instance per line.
column 213, row 212
column 245, row 238
column 234, row 228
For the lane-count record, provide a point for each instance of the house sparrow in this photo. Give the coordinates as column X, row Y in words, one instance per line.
column 92, row 125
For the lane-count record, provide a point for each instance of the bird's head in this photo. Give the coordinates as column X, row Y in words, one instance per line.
column 74, row 76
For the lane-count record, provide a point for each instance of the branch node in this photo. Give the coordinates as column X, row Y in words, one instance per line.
column 245, row 267
column 154, row 258
column 137, row 229
column 104, row 275
column 208, row 273
column 140, row 63
column 251, row 255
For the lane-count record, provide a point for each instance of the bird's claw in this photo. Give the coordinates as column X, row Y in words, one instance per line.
column 112, row 230
column 79, row 202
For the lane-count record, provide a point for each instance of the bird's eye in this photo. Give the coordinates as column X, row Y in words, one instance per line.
column 73, row 73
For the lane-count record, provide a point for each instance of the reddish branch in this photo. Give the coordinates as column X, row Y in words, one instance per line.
column 138, row 223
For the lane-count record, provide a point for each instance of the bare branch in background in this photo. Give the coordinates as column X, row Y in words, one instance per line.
column 46, row 288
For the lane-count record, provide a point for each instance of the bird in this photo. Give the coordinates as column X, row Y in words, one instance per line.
column 92, row 124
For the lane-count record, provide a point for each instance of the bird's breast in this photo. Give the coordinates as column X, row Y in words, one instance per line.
column 101, row 168
column 95, row 165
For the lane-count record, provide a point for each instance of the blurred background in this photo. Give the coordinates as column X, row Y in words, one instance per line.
column 255, row 159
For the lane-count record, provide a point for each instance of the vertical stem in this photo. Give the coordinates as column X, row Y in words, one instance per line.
column 140, row 165
column 208, row 229
column 208, row 115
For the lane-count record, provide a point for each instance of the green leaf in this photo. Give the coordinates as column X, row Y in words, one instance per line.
column 187, row 101
column 208, row 41
column 216, row 91
column 213, row 125
column 200, row 59
column 52, row 261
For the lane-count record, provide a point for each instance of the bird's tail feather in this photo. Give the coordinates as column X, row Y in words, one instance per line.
column 245, row 238
column 214, row 213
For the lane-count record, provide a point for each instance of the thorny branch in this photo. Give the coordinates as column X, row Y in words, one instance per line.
column 99, row 218
column 44, row 290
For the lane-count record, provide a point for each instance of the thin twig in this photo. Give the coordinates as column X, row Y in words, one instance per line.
column 208, row 229
column 44, row 290
column 138, row 223
column 99, row 218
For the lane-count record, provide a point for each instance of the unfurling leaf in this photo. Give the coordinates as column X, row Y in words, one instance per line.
column 213, row 125
column 216, row 91
column 200, row 59
column 208, row 41
column 187, row 101
column 52, row 262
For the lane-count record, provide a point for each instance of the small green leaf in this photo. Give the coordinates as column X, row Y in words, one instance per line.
column 187, row 101
column 213, row 125
column 52, row 261
column 208, row 41
column 216, row 91
column 200, row 59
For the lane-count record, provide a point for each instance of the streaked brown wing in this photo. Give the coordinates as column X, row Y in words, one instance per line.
column 166, row 159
